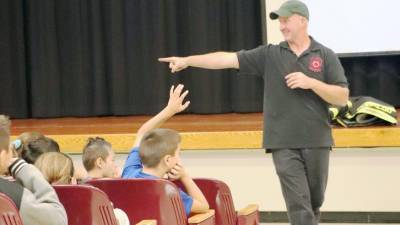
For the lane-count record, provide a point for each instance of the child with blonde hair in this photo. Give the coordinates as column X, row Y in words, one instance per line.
column 56, row 167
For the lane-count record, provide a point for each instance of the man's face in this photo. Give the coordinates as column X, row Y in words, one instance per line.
column 292, row 26
column 109, row 167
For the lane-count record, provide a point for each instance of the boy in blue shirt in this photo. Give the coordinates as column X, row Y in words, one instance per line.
column 156, row 154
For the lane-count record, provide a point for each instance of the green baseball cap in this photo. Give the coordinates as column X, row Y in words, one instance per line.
column 289, row 8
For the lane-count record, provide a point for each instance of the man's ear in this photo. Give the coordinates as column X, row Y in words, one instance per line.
column 304, row 20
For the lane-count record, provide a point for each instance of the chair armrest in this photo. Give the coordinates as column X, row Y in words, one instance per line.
column 147, row 222
column 248, row 210
column 248, row 215
column 202, row 217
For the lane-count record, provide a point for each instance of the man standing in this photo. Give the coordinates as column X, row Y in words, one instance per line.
column 301, row 77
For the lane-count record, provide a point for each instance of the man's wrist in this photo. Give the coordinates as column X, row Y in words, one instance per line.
column 188, row 60
column 314, row 84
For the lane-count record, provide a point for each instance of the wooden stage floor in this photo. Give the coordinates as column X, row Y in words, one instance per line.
column 219, row 131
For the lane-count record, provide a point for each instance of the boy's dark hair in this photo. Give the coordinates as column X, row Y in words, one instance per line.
column 34, row 148
column 95, row 148
column 29, row 136
column 156, row 144
column 4, row 132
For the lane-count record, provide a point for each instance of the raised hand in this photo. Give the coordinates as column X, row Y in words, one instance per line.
column 176, row 64
column 176, row 99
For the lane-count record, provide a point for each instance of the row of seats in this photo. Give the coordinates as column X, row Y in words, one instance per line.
column 146, row 201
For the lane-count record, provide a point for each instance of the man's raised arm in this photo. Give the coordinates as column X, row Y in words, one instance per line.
column 215, row 60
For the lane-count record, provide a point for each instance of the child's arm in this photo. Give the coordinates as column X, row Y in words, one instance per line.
column 200, row 204
column 175, row 105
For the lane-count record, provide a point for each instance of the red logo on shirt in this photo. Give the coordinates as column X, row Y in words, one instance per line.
column 315, row 64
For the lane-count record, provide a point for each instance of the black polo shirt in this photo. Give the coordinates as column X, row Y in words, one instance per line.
column 293, row 118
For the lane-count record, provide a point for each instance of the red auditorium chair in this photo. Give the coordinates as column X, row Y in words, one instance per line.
column 8, row 211
column 150, row 198
column 86, row 205
column 219, row 198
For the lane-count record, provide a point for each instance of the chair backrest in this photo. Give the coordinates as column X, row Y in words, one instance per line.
column 219, row 198
column 86, row 205
column 8, row 211
column 156, row 199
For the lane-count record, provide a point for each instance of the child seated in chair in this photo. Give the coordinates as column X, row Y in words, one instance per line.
column 35, row 199
column 156, row 154
column 30, row 145
column 58, row 168
column 98, row 159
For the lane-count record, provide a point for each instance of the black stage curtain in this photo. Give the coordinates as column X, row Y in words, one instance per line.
column 376, row 76
column 99, row 57
column 14, row 89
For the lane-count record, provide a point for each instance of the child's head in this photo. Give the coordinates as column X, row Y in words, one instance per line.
column 32, row 145
column 160, row 148
column 5, row 153
column 98, row 157
column 56, row 167
column 29, row 136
